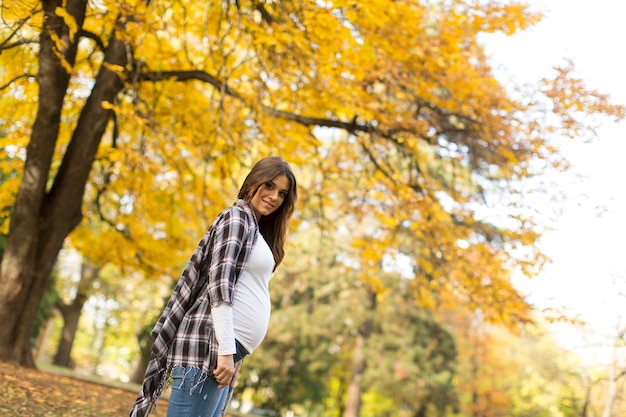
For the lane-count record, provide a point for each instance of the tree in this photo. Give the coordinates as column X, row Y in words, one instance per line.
column 71, row 311
column 319, row 359
column 299, row 356
column 605, row 380
column 412, row 361
column 42, row 217
column 179, row 95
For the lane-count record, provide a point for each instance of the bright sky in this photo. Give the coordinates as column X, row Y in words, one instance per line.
column 587, row 247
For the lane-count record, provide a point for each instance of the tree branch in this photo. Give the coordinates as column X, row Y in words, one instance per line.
column 8, row 84
column 90, row 35
column 186, row 76
column 5, row 43
column 265, row 15
column 351, row 126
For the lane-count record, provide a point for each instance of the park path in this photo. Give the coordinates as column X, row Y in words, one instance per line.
column 28, row 392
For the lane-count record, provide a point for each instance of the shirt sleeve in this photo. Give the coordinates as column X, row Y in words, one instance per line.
column 224, row 330
column 231, row 230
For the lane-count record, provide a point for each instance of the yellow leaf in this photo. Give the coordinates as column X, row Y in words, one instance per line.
column 118, row 69
column 107, row 105
column 69, row 21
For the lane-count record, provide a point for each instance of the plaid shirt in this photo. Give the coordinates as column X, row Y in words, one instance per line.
column 184, row 334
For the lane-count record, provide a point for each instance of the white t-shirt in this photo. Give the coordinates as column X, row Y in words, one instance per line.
column 250, row 313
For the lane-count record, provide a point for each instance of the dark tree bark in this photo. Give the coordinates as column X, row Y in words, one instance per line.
column 71, row 314
column 42, row 219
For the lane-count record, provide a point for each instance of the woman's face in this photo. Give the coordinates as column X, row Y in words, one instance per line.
column 270, row 196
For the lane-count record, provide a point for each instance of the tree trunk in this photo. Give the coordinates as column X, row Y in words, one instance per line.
column 71, row 313
column 359, row 362
column 145, row 341
column 612, row 377
column 42, row 220
column 26, row 266
column 585, row 408
column 353, row 402
column 611, row 394
column 145, row 347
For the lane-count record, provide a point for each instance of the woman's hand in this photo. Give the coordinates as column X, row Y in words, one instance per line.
column 225, row 370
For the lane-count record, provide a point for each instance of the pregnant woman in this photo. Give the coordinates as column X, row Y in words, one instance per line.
column 220, row 308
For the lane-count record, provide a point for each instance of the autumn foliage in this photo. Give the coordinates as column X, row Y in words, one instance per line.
column 129, row 124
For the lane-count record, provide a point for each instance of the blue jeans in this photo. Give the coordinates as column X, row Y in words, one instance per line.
column 196, row 395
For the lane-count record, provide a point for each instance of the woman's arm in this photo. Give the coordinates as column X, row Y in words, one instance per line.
column 230, row 245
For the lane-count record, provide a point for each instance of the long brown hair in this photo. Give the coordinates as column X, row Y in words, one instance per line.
column 274, row 226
